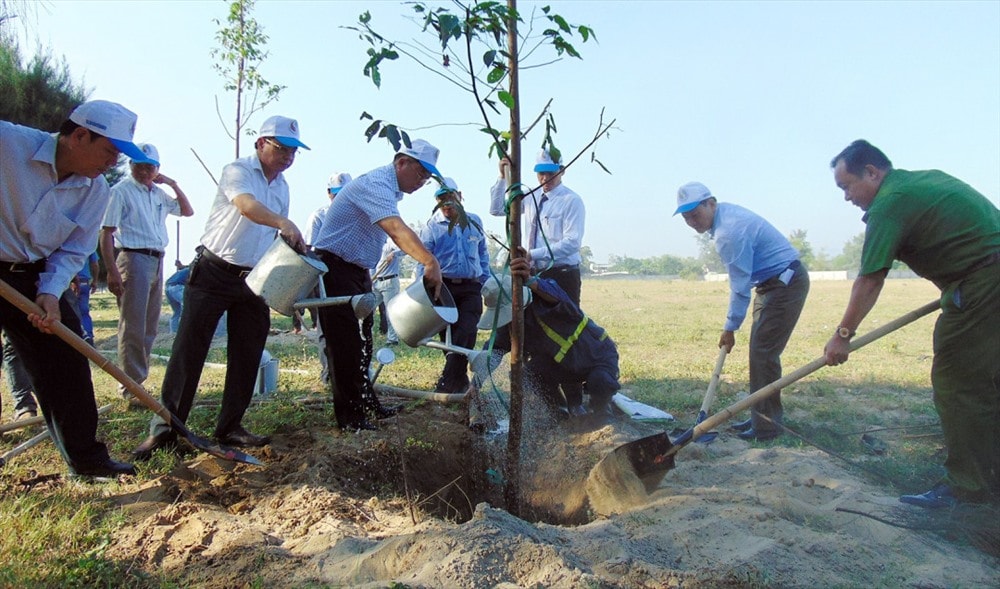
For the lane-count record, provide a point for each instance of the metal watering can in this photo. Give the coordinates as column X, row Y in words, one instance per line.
column 416, row 318
column 283, row 278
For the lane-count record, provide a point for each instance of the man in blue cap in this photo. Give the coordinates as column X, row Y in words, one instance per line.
column 350, row 243
column 52, row 197
column 249, row 212
column 465, row 266
column 758, row 257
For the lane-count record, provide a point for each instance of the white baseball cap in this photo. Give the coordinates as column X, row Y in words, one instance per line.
column 497, row 298
column 545, row 163
column 110, row 120
column 284, row 129
column 337, row 181
column 447, row 186
column 152, row 156
column 423, row 152
column 691, row 195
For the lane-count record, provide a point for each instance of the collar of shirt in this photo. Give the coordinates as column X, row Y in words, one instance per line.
column 46, row 153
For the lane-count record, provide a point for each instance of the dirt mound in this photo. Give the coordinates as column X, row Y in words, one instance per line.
column 411, row 504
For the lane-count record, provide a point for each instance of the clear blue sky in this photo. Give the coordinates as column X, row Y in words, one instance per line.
column 750, row 98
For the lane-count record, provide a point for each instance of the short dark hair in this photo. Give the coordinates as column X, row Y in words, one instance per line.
column 68, row 127
column 859, row 154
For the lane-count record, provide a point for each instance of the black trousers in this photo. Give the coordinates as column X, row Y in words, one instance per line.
column 59, row 375
column 469, row 300
column 568, row 279
column 348, row 341
column 210, row 292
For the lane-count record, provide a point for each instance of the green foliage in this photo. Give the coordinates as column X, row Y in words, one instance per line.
column 798, row 240
column 850, row 257
column 239, row 58
column 40, row 94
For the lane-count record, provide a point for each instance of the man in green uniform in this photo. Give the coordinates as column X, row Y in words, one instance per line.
column 948, row 233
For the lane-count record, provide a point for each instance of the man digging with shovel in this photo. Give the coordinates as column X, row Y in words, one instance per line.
column 757, row 256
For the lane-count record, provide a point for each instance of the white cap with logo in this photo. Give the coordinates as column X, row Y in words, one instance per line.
column 423, row 152
column 110, row 120
column 337, row 181
column 545, row 163
column 284, row 129
column 691, row 195
column 152, row 156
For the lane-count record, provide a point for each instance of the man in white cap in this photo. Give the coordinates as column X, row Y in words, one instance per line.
column 133, row 241
column 757, row 256
column 249, row 212
column 553, row 231
column 52, row 197
column 350, row 242
column 465, row 266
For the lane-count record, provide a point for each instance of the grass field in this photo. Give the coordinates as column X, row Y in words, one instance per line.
column 666, row 333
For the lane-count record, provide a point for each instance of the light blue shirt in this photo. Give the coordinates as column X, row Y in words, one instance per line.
column 314, row 224
column 462, row 252
column 752, row 250
column 388, row 264
column 562, row 220
column 350, row 229
column 41, row 217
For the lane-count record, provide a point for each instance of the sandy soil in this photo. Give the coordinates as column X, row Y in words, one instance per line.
column 419, row 503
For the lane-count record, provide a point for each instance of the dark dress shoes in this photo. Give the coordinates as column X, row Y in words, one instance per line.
column 241, row 437
column 741, row 426
column 144, row 451
column 752, row 435
column 385, row 411
column 106, row 468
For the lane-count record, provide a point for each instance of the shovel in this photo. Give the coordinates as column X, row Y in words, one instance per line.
column 647, row 460
column 710, row 396
column 76, row 342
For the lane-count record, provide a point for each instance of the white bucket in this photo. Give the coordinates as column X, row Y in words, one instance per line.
column 415, row 318
column 283, row 276
column 267, row 376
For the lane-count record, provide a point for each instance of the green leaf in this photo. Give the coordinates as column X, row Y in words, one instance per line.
column 496, row 74
column 393, row 134
column 489, row 57
column 506, row 98
column 561, row 22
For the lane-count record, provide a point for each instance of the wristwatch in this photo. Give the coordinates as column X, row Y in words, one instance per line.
column 845, row 333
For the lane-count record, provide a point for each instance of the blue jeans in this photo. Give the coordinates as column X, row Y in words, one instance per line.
column 17, row 379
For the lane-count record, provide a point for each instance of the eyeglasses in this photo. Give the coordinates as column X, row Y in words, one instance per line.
column 282, row 149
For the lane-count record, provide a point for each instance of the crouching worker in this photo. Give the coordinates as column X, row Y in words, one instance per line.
column 561, row 344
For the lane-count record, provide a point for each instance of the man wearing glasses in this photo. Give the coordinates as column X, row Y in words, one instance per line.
column 250, row 209
column 349, row 243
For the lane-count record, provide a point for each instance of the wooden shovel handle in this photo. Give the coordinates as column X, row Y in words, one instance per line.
column 77, row 343
column 714, row 383
column 813, row 366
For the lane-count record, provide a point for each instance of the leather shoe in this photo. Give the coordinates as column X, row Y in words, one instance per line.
column 241, row 437
column 107, row 468
column 385, row 411
column 361, row 424
column 741, row 426
column 144, row 451
column 752, row 435
column 939, row 497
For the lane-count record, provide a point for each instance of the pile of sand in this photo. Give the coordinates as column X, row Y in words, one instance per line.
column 331, row 508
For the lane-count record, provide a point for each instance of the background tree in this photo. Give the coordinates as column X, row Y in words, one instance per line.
column 708, row 258
column 850, row 257
column 798, row 240
column 239, row 58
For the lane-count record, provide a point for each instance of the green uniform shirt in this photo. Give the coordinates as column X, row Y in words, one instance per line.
column 937, row 225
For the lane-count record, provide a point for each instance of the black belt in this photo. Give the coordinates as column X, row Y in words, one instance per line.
column 459, row 280
column 234, row 269
column 794, row 267
column 37, row 266
column 389, row 277
column 562, row 268
column 139, row 250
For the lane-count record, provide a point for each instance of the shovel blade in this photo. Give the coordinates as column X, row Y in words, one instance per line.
column 213, row 448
